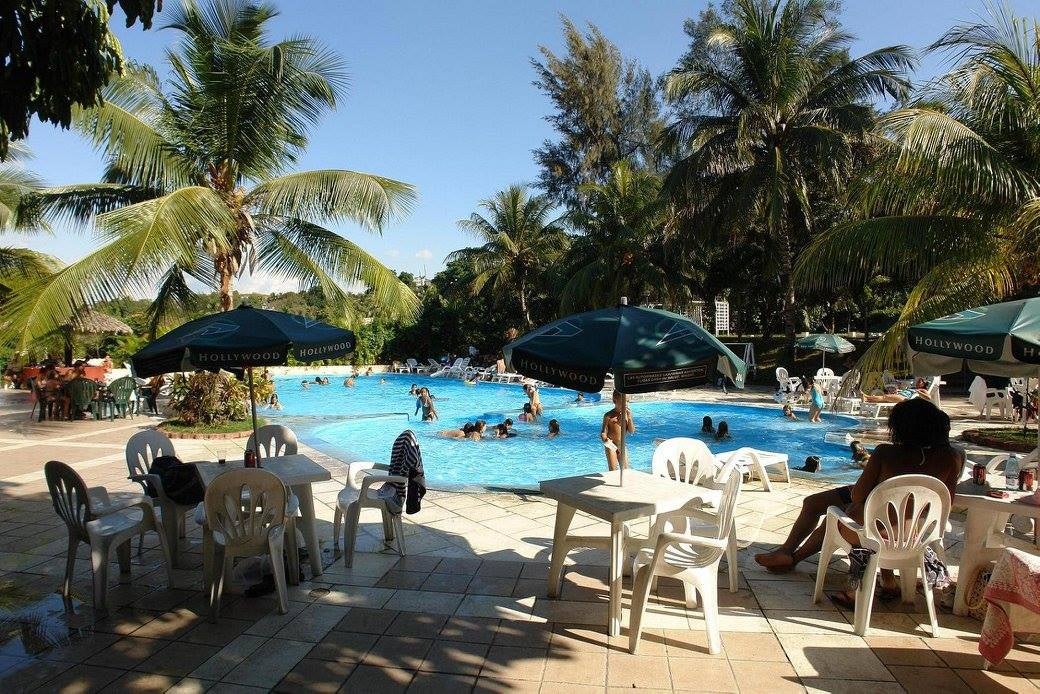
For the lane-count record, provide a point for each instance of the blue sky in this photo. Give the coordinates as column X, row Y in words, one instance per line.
column 441, row 97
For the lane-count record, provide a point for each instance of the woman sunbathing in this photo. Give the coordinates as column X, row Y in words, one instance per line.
column 892, row 394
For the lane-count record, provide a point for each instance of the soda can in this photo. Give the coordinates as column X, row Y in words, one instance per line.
column 1028, row 479
column 978, row 474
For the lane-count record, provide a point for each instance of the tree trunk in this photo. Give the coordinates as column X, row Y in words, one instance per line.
column 226, row 276
column 708, row 312
column 787, row 288
column 523, row 305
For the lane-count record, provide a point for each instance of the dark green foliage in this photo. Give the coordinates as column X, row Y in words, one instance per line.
column 56, row 55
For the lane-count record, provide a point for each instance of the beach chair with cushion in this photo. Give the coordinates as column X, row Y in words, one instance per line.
column 901, row 517
column 103, row 523
column 687, row 546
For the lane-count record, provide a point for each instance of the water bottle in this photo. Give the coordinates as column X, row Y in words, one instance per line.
column 1011, row 472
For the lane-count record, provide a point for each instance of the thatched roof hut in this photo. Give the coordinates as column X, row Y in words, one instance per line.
column 91, row 322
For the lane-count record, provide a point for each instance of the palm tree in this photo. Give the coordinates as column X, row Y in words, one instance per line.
column 952, row 208
column 196, row 183
column 620, row 249
column 772, row 111
column 521, row 239
column 18, row 214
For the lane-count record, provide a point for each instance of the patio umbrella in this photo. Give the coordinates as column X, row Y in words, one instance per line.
column 826, row 342
column 647, row 350
column 996, row 340
column 241, row 339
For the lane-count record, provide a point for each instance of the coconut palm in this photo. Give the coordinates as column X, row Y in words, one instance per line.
column 771, row 112
column 198, row 180
column 620, row 248
column 952, row 208
column 521, row 239
column 17, row 214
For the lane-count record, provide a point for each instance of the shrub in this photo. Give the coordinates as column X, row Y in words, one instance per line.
column 209, row 398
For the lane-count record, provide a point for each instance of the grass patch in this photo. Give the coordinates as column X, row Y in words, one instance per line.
column 1009, row 438
column 178, row 427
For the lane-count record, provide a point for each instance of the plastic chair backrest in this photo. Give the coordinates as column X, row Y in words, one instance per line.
column 683, row 459
column 70, row 498
column 411, row 363
column 275, row 440
column 905, row 513
column 82, row 391
column 122, row 389
column 995, row 461
column 825, row 371
column 244, row 504
column 730, row 479
column 144, row 447
column 781, row 375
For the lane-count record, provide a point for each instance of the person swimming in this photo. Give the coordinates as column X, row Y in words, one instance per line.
column 534, row 398
column 474, row 431
column 349, row 382
column 504, row 430
column 414, row 390
column 305, row 384
column 274, row 403
column 706, row 425
column 722, row 433
column 580, row 398
column 382, row 381
column 860, row 455
column 554, row 429
column 528, row 414
column 789, row 412
column 429, row 412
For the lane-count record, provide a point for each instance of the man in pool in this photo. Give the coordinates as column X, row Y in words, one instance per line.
column 610, row 433
column 534, row 398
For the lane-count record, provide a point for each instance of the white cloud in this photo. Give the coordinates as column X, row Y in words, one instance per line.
column 393, row 253
column 425, row 254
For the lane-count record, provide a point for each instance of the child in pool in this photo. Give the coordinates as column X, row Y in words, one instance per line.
column 860, row 455
column 554, row 429
column 706, row 425
column 789, row 412
column 722, row 433
column 504, row 430
column 528, row 414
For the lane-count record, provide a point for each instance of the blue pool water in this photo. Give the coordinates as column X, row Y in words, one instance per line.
column 361, row 423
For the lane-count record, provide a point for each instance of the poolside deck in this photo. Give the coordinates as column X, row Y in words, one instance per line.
column 465, row 611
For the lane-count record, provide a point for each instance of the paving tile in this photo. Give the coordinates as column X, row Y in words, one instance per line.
column 578, row 667
column 410, row 580
column 903, row 650
column 447, row 583
column 398, row 651
column 229, row 657
column 691, row 676
column 268, row 664
column 440, row 683
column 371, row 679
column 170, row 625
column 84, row 679
column 763, row 677
column 496, row 685
column 506, row 608
column 638, row 671
column 500, row 569
column 127, row 652
column 81, row 647
column 925, row 680
column 471, row 629
column 124, row 621
column 367, row 620
column 800, row 622
column 568, row 638
column 313, row 623
column 990, row 681
column 962, row 653
column 528, row 634
column 817, row 685
column 833, row 656
column 343, row 646
column 221, row 633
column 32, row 675
column 190, row 685
column 514, row 663
column 316, row 676
column 426, row 626
column 455, row 657
column 757, row 647
column 426, row 601
column 452, row 565
column 141, row 682
column 417, row 563
column 178, row 659
column 687, row 643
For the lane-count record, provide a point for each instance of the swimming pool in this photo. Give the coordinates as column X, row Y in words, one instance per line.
column 361, row 423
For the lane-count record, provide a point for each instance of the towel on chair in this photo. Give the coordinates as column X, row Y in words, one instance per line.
column 406, row 461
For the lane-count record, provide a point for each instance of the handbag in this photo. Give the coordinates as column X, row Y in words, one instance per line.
column 974, row 600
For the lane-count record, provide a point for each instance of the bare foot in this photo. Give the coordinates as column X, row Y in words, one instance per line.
column 778, row 561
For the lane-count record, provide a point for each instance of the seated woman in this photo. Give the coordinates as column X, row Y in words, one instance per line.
column 706, row 425
column 891, row 394
column 722, row 433
column 920, row 435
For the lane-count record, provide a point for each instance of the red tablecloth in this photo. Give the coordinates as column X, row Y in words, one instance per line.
column 1013, row 595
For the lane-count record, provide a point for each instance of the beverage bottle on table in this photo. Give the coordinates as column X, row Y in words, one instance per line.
column 1011, row 468
column 250, row 461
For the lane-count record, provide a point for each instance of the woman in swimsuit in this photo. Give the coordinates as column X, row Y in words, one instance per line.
column 920, row 435
column 816, row 403
column 429, row 412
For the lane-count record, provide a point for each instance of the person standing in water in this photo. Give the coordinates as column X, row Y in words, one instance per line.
column 610, row 433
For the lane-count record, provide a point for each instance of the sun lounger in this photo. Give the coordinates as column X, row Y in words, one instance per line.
column 755, row 463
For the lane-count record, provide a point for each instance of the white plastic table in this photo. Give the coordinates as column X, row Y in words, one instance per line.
column 985, row 513
column 297, row 472
column 601, row 495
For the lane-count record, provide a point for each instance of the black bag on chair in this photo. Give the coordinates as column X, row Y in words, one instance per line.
column 181, row 481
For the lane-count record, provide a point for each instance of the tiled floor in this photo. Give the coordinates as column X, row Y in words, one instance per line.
column 465, row 611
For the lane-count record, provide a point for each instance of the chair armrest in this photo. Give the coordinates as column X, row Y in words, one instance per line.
column 839, row 516
column 373, row 478
column 665, row 539
column 98, row 495
column 153, row 479
column 355, row 468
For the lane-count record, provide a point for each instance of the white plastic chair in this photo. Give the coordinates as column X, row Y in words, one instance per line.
column 825, row 371
column 141, row 451
column 245, row 516
column 756, row 464
column 689, row 551
column 359, row 494
column 275, row 440
column 781, row 375
column 684, row 460
column 985, row 398
column 94, row 518
column 901, row 517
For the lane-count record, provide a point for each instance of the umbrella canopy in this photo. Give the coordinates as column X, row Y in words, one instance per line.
column 826, row 342
column 242, row 338
column 646, row 349
column 996, row 340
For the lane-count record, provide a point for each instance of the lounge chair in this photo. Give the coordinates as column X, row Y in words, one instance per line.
column 756, row 463
column 458, row 369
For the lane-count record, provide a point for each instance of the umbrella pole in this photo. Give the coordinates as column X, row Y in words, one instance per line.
column 252, row 406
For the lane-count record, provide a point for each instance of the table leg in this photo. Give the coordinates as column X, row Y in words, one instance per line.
column 564, row 516
column 310, row 532
column 617, row 562
column 976, row 528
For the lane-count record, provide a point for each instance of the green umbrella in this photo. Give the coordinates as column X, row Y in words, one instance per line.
column 826, row 342
column 647, row 350
column 996, row 340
